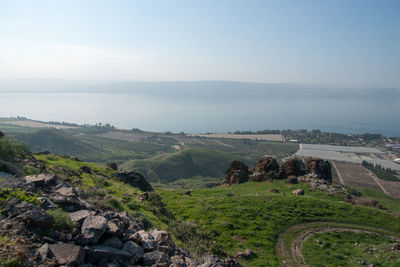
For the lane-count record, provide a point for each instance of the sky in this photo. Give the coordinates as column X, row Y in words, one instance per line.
column 340, row 43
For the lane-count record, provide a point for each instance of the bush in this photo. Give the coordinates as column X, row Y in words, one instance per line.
column 61, row 219
column 11, row 149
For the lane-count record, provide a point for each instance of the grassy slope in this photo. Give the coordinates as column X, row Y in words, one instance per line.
column 249, row 216
column 382, row 174
column 184, row 164
column 349, row 249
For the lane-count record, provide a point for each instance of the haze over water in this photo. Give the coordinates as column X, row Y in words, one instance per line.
column 201, row 115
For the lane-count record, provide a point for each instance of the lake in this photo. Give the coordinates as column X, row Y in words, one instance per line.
column 188, row 114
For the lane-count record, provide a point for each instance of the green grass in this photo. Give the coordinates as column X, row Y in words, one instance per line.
column 183, row 164
column 191, row 183
column 61, row 219
column 382, row 174
column 249, row 216
column 349, row 249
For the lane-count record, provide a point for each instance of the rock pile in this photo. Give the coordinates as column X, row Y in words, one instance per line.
column 97, row 237
column 135, row 179
column 266, row 168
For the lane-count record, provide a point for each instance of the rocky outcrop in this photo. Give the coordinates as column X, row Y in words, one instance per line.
column 237, row 173
column 113, row 166
column 41, row 179
column 294, row 166
column 268, row 166
column 320, row 168
column 134, row 179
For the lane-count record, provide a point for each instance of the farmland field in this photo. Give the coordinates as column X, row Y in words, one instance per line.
column 36, row 124
column 264, row 137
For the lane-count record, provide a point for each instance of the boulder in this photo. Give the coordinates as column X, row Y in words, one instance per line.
column 10, row 168
column 294, row 166
column 156, row 258
column 274, row 190
column 134, row 179
column 298, row 192
column 96, row 253
column 237, row 173
column 292, row 180
column 146, row 240
column 80, row 215
column 268, row 165
column 67, row 254
column 134, row 249
column 41, row 179
column 66, row 191
column 248, row 253
column 163, row 241
column 113, row 166
column 93, row 228
column 113, row 242
column 320, row 168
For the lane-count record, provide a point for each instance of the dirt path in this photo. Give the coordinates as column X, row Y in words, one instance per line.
column 293, row 257
column 338, row 173
column 376, row 179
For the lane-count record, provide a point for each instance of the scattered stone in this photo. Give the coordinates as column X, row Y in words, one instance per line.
column 93, row 228
column 135, row 179
column 298, row 192
column 274, row 190
column 237, row 173
column 396, row 246
column 248, row 253
column 66, row 191
column 187, row 193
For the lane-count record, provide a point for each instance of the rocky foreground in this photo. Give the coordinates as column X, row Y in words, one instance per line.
column 95, row 237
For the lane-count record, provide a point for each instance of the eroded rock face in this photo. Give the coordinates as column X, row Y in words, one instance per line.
column 135, row 179
column 93, row 228
column 237, row 173
column 320, row 168
column 294, row 166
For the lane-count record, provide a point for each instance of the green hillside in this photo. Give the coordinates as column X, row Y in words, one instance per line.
column 183, row 164
column 249, row 216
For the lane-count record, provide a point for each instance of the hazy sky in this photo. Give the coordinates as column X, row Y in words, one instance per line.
column 350, row 42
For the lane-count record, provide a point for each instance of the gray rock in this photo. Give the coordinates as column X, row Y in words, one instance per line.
column 66, row 191
column 67, row 253
column 96, row 253
column 93, row 228
column 134, row 249
column 80, row 216
column 155, row 257
column 113, row 242
column 41, row 179
column 44, row 252
column 146, row 240
column 135, row 179
column 163, row 241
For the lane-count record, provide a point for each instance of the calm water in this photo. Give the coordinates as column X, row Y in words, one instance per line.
column 191, row 115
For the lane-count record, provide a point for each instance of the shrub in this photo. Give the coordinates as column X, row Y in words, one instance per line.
column 11, row 149
column 61, row 218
